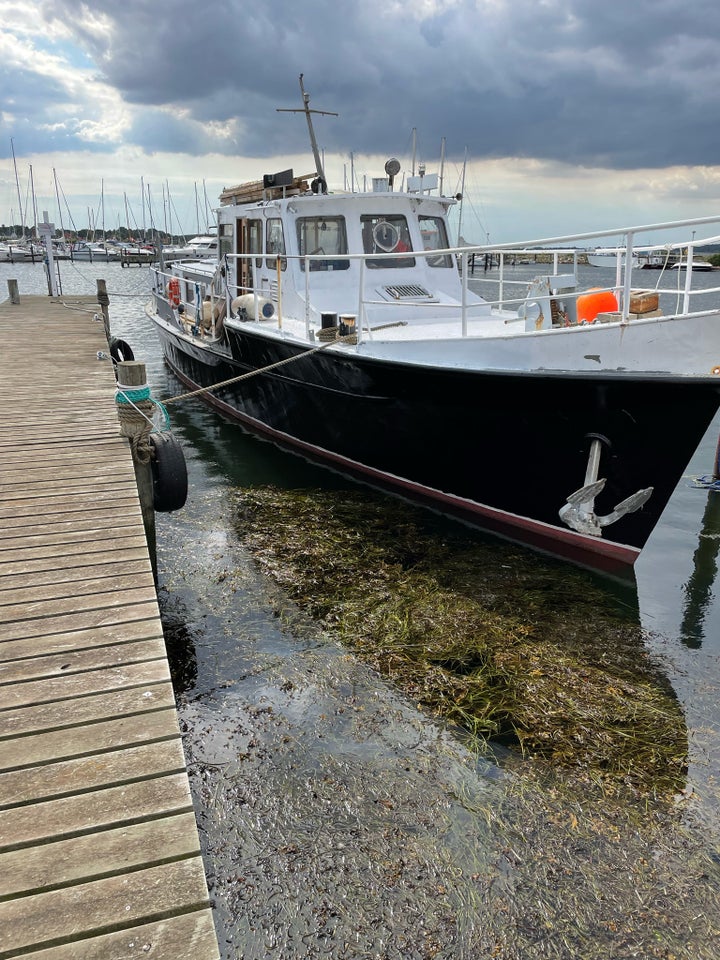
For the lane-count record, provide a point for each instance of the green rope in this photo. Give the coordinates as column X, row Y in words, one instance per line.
column 126, row 395
column 133, row 397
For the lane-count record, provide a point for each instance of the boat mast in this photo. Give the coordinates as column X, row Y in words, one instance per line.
column 34, row 203
column 57, row 197
column 313, row 142
column 17, row 185
column 442, row 164
column 462, row 196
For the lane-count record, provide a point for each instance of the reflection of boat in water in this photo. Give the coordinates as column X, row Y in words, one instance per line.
column 352, row 344
column 699, row 588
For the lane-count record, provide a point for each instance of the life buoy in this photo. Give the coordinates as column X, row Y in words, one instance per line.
column 386, row 235
column 173, row 291
column 590, row 304
column 169, row 473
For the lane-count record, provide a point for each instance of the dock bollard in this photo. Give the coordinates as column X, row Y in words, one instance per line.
column 13, row 291
column 135, row 409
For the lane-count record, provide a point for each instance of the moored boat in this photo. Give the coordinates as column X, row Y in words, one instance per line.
column 339, row 326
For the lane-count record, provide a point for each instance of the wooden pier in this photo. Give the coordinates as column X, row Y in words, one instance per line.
column 99, row 853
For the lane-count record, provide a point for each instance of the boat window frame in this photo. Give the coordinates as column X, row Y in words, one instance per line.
column 255, row 233
column 271, row 262
column 442, row 260
column 334, row 259
column 372, row 241
column 225, row 239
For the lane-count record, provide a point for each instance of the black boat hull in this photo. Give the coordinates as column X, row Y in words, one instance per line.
column 500, row 450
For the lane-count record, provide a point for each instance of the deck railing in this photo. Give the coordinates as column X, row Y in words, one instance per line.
column 556, row 254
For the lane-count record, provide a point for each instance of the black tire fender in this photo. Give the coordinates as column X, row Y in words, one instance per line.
column 169, row 473
column 119, row 350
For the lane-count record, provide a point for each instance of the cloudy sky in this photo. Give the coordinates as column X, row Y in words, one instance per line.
column 573, row 114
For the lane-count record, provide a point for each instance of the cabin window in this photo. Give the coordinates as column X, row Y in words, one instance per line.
column 325, row 236
column 255, row 239
column 226, row 238
column 434, row 236
column 386, row 234
column 275, row 243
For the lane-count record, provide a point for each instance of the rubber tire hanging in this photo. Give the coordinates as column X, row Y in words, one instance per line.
column 169, row 473
column 119, row 350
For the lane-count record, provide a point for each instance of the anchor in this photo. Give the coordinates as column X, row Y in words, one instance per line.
column 579, row 511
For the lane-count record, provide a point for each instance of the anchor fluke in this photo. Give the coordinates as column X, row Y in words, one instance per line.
column 628, row 505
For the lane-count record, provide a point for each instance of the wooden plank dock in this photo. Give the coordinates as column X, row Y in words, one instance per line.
column 99, row 852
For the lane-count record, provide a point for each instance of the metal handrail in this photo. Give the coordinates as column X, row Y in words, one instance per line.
column 553, row 248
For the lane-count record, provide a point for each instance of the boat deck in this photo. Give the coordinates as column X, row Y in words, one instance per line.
column 99, row 851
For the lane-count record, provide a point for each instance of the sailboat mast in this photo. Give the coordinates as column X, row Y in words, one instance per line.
column 462, row 197
column 17, row 185
column 442, row 164
column 34, row 203
column 57, row 197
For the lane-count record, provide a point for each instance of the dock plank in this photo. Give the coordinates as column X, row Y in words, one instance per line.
column 106, row 705
column 99, row 851
column 113, row 768
column 84, row 858
column 101, row 906
column 186, row 937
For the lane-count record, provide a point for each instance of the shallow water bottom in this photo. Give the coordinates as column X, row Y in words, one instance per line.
column 338, row 820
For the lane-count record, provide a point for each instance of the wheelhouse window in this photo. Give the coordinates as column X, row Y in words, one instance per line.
column 226, row 238
column 325, row 236
column 386, row 234
column 434, row 236
column 254, row 242
column 274, row 243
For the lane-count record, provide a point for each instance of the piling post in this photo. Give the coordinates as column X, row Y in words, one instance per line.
column 13, row 291
column 135, row 413
column 104, row 301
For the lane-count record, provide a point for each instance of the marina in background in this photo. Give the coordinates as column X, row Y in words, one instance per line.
column 227, row 635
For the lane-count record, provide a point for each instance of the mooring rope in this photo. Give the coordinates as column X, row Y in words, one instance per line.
column 135, row 407
column 254, row 373
column 349, row 338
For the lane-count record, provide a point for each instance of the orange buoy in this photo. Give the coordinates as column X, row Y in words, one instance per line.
column 590, row 304
column 173, row 291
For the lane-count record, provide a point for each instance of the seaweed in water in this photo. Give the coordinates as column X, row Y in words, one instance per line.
column 493, row 639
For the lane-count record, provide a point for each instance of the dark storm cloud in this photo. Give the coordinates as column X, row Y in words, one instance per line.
column 620, row 85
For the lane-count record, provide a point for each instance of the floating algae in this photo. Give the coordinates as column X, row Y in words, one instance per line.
column 487, row 637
